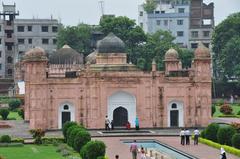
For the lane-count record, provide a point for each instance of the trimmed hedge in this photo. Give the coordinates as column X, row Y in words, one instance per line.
column 81, row 138
column 52, row 140
column 211, row 132
column 225, row 134
column 93, row 150
column 228, row 149
column 73, row 133
column 236, row 140
column 5, row 139
column 69, row 130
column 65, row 128
column 11, row 144
column 17, row 140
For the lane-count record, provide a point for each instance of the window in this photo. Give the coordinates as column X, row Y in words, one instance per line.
column 45, row 41
column 181, row 10
column 54, row 29
column 157, row 12
column 141, row 13
column 9, row 59
column 20, row 41
column 0, row 41
column 180, row 33
column 65, row 107
column 180, row 22
column 20, row 28
column 194, row 34
column 158, row 22
column 165, row 22
column 0, row 66
column 44, row 28
column 54, row 41
column 141, row 25
column 206, row 33
column 29, row 41
column 9, row 47
column 9, row 72
column 174, row 106
column 29, row 28
column 194, row 45
column 163, row 12
column 0, row 28
column 0, row 53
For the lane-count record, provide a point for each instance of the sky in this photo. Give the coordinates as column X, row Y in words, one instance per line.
column 73, row 12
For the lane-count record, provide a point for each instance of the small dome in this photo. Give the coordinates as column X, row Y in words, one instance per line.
column 111, row 44
column 202, row 51
column 91, row 58
column 66, row 55
column 35, row 54
column 171, row 54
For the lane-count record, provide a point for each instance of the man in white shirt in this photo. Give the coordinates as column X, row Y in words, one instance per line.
column 182, row 136
column 196, row 135
column 187, row 136
column 107, row 122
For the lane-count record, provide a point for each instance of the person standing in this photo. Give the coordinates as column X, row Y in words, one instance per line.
column 107, row 122
column 182, row 136
column 196, row 136
column 137, row 123
column 112, row 125
column 143, row 154
column 187, row 136
column 134, row 149
column 223, row 154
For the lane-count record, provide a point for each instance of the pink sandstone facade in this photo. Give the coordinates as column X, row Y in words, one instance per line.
column 175, row 97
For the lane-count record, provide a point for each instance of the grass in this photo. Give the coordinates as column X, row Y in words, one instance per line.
column 30, row 152
column 235, row 108
column 13, row 116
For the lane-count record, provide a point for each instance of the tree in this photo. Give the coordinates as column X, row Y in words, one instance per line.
column 186, row 57
column 77, row 37
column 149, row 6
column 224, row 35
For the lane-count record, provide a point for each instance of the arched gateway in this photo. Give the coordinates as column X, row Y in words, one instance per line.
column 66, row 113
column 175, row 114
column 122, row 108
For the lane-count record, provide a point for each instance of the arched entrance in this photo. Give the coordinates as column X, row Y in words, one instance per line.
column 175, row 114
column 120, row 116
column 66, row 113
column 122, row 108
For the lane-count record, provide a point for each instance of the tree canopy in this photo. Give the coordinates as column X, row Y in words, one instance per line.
column 149, row 6
column 226, row 47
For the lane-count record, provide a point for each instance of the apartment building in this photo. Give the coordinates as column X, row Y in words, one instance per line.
column 19, row 35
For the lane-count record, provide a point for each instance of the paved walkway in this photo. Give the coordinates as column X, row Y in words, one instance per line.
column 115, row 146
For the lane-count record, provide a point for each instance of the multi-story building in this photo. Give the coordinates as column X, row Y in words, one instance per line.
column 201, row 23
column 175, row 16
column 19, row 35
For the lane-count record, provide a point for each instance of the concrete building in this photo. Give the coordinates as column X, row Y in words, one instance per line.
column 201, row 23
column 70, row 91
column 19, row 35
column 175, row 16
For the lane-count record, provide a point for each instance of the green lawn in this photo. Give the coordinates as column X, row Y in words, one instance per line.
column 235, row 108
column 30, row 152
column 13, row 116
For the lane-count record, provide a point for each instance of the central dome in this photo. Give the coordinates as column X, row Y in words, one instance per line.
column 111, row 44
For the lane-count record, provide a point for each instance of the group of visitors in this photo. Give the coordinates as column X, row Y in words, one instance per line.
column 185, row 135
column 108, row 125
column 135, row 151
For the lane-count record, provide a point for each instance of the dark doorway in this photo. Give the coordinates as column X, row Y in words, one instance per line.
column 120, row 116
column 66, row 116
column 174, row 118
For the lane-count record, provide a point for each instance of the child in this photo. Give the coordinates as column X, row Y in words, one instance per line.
column 143, row 155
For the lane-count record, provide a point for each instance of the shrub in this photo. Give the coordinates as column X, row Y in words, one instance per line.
column 17, row 140
column 65, row 128
column 14, row 104
column 238, row 112
column 70, row 139
column 226, row 109
column 213, row 109
column 236, row 126
column 21, row 113
column 81, row 138
column 203, row 134
column 220, row 102
column 65, row 153
column 93, row 150
column 224, row 135
column 4, row 113
column 37, row 135
column 70, row 129
column 101, row 157
column 211, row 132
column 53, row 140
column 228, row 149
column 236, row 140
column 5, row 139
